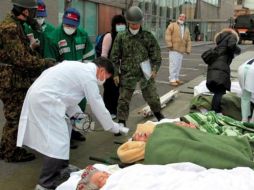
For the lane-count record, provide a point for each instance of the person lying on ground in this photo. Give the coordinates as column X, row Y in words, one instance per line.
column 166, row 177
column 168, row 143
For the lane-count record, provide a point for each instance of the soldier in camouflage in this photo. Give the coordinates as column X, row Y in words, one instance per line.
column 133, row 47
column 19, row 68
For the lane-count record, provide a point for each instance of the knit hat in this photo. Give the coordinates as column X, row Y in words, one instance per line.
column 41, row 9
column 71, row 17
column 131, row 151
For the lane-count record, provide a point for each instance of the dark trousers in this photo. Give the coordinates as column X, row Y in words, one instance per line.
column 13, row 101
column 111, row 95
column 216, row 101
column 50, row 173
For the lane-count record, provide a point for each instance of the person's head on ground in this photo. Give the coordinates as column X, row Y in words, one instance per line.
column 141, row 136
column 71, row 20
column 181, row 18
column 92, row 179
column 118, row 24
column 134, row 17
column 105, row 69
column 24, row 10
column 41, row 13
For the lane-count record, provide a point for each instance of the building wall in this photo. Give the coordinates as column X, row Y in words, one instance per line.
column 105, row 15
column 5, row 8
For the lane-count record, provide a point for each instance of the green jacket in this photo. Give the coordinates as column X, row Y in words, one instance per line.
column 15, row 51
column 132, row 50
column 41, row 36
column 76, row 47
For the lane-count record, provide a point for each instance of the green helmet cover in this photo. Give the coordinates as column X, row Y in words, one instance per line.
column 25, row 3
column 134, row 15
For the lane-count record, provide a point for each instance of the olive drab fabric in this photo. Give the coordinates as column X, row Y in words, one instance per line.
column 15, row 51
column 134, row 15
column 61, row 46
column 132, row 50
column 25, row 3
column 26, row 66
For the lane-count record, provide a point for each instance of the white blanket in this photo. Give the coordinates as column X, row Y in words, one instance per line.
column 180, row 176
column 235, row 88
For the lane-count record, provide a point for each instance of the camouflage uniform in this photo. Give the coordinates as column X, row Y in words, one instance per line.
column 132, row 50
column 26, row 66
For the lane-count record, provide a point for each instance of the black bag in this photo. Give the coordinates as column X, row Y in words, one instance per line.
column 210, row 55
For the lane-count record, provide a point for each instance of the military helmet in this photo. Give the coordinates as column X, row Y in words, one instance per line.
column 25, row 3
column 134, row 15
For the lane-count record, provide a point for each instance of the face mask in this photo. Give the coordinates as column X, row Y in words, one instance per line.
column 134, row 32
column 120, row 28
column 100, row 82
column 69, row 31
column 30, row 20
column 40, row 20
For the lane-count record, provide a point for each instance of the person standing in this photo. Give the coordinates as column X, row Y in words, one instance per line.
column 133, row 47
column 55, row 93
column 218, row 72
column 245, row 76
column 37, row 38
column 20, row 66
column 178, row 40
column 111, row 91
column 70, row 42
column 197, row 32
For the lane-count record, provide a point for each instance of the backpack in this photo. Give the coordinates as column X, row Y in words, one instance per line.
column 210, row 55
column 98, row 44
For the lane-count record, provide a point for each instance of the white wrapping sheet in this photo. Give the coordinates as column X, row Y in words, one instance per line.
column 235, row 88
column 180, row 176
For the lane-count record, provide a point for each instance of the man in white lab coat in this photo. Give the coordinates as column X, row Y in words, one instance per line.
column 54, row 94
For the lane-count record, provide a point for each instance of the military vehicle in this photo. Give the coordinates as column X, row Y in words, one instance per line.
column 244, row 26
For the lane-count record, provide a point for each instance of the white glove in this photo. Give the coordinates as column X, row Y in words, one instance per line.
column 123, row 130
column 119, row 128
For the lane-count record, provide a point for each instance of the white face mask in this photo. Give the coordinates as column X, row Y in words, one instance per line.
column 134, row 32
column 120, row 28
column 69, row 31
column 101, row 82
column 40, row 20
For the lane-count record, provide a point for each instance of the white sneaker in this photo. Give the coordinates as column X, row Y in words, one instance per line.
column 39, row 187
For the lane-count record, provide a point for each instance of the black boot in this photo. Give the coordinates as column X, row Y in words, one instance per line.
column 158, row 116
column 124, row 124
column 20, row 155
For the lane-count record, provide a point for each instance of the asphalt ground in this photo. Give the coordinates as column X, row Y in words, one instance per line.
column 103, row 145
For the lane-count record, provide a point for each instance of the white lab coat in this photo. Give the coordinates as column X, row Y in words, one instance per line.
column 57, row 92
column 246, row 76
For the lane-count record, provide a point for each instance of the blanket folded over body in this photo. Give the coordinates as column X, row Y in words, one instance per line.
column 172, row 144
